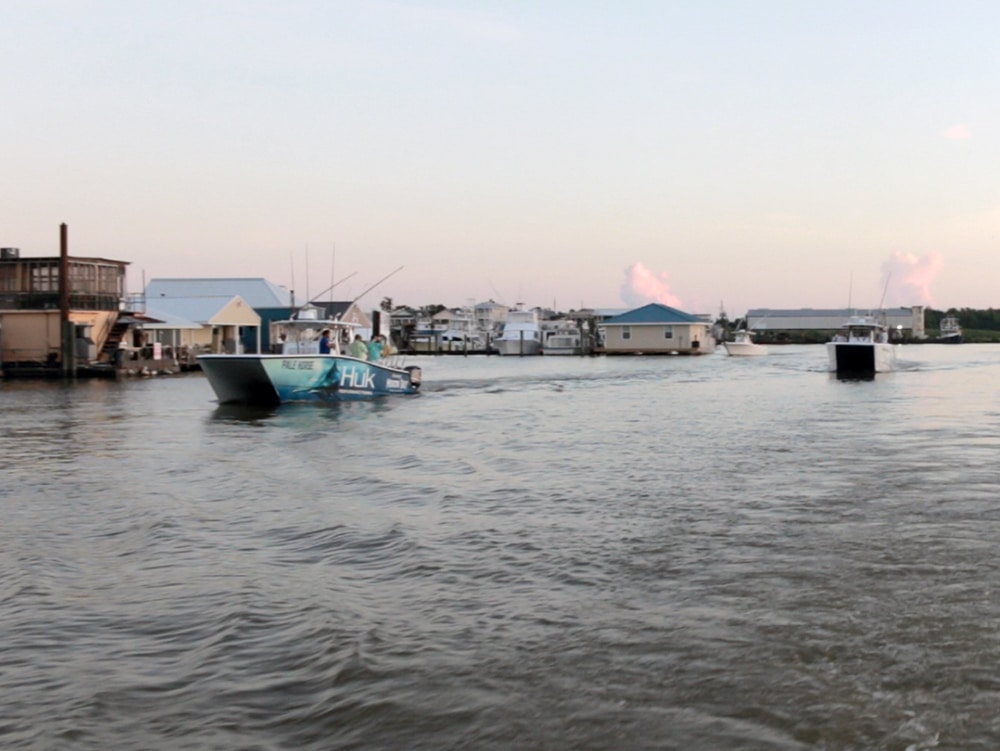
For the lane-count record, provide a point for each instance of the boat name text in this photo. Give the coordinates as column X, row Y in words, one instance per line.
column 297, row 364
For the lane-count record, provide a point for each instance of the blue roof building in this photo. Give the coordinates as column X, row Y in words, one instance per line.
column 256, row 292
column 199, row 299
column 655, row 329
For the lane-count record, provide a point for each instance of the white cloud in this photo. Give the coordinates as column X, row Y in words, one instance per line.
column 642, row 286
column 958, row 132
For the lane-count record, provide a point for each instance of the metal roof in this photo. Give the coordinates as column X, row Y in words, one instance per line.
column 167, row 320
column 256, row 292
column 826, row 319
column 653, row 313
column 200, row 310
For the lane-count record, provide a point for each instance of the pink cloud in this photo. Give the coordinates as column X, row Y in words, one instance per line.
column 907, row 278
column 958, row 133
column 642, row 286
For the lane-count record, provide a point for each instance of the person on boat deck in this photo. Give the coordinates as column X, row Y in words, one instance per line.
column 375, row 348
column 358, row 348
column 324, row 342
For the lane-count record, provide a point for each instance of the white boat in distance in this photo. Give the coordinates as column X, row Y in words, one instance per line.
column 743, row 345
column 951, row 332
column 521, row 334
column 301, row 373
column 561, row 338
column 861, row 348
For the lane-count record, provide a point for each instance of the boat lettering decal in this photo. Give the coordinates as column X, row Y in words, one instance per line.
column 356, row 379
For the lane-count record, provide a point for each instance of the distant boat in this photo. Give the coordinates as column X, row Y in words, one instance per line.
column 951, row 332
column 450, row 340
column 521, row 334
column 861, row 347
column 300, row 373
column 743, row 345
column 562, row 338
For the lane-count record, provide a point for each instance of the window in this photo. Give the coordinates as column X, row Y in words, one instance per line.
column 44, row 278
column 626, row 332
column 668, row 332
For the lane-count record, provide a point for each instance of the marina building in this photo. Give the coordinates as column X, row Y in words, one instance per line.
column 655, row 329
column 59, row 312
column 906, row 322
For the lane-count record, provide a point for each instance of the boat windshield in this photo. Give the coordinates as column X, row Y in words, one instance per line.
column 305, row 336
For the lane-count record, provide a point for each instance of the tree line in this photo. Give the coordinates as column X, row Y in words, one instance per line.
column 968, row 318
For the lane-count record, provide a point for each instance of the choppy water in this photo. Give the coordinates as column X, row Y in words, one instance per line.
column 547, row 553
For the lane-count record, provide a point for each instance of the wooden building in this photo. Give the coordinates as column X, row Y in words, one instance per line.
column 59, row 312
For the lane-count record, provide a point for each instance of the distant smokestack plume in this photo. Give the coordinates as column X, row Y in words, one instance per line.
column 909, row 278
column 642, row 287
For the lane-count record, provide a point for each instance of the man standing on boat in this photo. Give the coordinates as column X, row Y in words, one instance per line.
column 358, row 348
column 375, row 348
column 324, row 342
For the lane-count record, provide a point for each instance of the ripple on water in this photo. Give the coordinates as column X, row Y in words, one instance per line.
column 598, row 553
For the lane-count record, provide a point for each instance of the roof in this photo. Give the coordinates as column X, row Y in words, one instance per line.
column 58, row 259
column 652, row 313
column 163, row 319
column 183, row 311
column 256, row 292
column 348, row 311
column 332, row 310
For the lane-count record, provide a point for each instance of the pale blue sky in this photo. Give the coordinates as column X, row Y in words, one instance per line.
column 759, row 154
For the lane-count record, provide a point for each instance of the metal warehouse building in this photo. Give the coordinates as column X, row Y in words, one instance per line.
column 909, row 322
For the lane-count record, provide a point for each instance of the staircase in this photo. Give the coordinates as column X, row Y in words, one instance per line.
column 110, row 348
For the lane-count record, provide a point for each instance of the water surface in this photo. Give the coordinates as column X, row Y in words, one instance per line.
column 536, row 553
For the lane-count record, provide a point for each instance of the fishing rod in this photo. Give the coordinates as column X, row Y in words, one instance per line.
column 334, row 285
column 375, row 285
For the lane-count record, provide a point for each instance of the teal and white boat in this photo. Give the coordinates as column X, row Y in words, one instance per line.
column 300, row 372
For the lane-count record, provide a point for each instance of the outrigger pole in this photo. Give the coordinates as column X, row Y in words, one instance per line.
column 375, row 285
column 334, row 285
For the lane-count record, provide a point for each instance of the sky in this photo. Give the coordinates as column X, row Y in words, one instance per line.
column 706, row 154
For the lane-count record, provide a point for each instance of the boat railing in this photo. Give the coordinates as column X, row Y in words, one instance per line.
column 392, row 361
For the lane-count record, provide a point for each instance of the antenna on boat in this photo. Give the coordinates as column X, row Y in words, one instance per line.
column 291, row 258
column 330, row 288
column 375, row 285
column 333, row 263
column 307, row 272
column 499, row 296
column 885, row 290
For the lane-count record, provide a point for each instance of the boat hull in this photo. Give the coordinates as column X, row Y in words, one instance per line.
column 518, row 347
column 861, row 358
column 950, row 339
column 744, row 349
column 277, row 379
